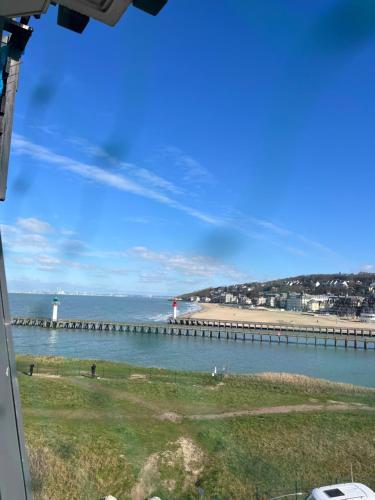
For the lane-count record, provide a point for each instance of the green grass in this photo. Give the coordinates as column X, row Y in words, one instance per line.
column 130, row 434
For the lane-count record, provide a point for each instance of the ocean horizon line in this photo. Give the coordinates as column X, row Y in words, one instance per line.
column 94, row 294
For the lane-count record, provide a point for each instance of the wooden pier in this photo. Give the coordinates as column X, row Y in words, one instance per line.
column 279, row 327
column 252, row 333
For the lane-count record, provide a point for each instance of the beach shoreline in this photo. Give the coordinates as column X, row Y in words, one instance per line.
column 277, row 316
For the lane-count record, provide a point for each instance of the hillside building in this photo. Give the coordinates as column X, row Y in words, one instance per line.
column 317, row 303
column 228, row 298
column 271, row 301
column 296, row 301
column 260, row 301
column 367, row 317
column 368, row 310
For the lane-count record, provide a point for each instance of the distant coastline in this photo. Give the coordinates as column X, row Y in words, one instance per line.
column 93, row 294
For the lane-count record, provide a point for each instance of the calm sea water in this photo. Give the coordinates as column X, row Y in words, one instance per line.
column 186, row 353
column 108, row 308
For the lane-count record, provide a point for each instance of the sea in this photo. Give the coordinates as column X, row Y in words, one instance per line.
column 174, row 352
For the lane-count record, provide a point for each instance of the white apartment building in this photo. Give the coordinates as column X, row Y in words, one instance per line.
column 261, row 301
column 195, row 299
column 271, row 301
column 305, row 302
column 317, row 302
column 228, row 298
column 367, row 317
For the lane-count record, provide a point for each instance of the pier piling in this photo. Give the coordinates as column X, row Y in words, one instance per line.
column 322, row 336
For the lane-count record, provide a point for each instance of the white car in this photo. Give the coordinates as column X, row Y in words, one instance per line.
column 346, row 491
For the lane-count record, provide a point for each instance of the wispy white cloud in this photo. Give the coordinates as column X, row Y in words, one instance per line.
column 189, row 265
column 71, row 264
column 8, row 230
column 23, row 146
column 270, row 226
column 192, row 170
column 40, row 262
column 46, row 129
column 159, row 190
column 48, row 263
column 33, row 225
column 33, row 240
column 18, row 237
column 316, row 245
column 276, row 235
column 27, row 244
column 143, row 174
column 368, row 268
column 287, row 233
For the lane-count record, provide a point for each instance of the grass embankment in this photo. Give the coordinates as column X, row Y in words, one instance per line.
column 137, row 432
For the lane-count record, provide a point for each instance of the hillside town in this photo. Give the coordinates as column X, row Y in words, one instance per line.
column 351, row 296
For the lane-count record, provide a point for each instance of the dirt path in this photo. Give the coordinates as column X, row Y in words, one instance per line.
column 91, row 414
column 162, row 414
column 269, row 410
column 265, row 410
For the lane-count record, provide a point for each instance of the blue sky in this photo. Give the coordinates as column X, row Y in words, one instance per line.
column 219, row 142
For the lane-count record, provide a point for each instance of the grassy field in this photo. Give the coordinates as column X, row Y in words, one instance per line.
column 136, row 432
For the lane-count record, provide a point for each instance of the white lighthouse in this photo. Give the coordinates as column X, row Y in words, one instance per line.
column 55, row 308
column 174, row 309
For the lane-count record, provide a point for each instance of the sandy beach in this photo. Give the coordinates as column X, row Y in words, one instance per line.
column 230, row 313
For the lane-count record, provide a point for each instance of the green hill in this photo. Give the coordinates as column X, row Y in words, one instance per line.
column 315, row 284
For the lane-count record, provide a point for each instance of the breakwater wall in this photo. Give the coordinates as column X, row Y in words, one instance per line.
column 276, row 335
